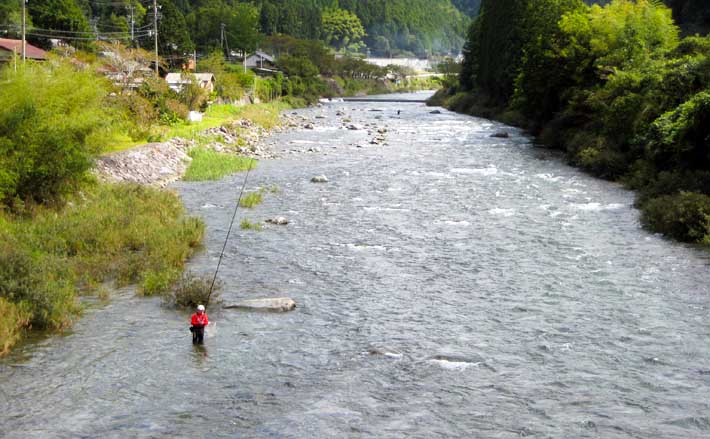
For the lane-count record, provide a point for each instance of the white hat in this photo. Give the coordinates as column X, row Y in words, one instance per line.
column 200, row 307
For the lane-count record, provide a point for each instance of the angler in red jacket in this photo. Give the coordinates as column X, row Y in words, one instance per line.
column 199, row 321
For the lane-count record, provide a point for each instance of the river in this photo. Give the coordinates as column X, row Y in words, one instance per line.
column 449, row 284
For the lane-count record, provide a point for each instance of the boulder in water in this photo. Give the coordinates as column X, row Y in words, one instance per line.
column 279, row 221
column 319, row 179
column 275, row 304
column 308, row 126
column 501, row 134
column 435, row 112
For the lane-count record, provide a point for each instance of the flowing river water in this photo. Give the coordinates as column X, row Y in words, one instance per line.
column 449, row 284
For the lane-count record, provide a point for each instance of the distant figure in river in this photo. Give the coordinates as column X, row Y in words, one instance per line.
column 199, row 321
column 398, row 111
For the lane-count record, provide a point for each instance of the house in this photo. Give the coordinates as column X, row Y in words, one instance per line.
column 8, row 49
column 176, row 81
column 260, row 60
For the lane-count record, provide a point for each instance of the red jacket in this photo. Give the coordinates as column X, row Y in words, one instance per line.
column 200, row 319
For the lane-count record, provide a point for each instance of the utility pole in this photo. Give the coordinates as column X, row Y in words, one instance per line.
column 131, row 8
column 221, row 36
column 155, row 31
column 24, row 29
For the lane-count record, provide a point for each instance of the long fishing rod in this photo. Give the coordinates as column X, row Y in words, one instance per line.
column 229, row 231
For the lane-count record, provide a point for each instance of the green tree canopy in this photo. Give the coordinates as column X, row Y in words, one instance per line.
column 240, row 21
column 342, row 29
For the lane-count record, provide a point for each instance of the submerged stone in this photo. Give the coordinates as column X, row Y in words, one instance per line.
column 275, row 304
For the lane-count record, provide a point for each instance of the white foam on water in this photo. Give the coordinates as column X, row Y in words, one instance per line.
column 597, row 207
column 462, row 223
column 502, row 212
column 549, row 177
column 385, row 209
column 438, row 174
column 453, row 365
column 490, row 170
column 365, row 247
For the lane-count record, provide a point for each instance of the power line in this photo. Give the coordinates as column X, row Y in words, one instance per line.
column 75, row 38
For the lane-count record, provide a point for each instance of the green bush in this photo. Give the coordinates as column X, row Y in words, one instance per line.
column 684, row 216
column 140, row 114
column 192, row 95
column 158, row 282
column 245, row 224
column 14, row 318
column 39, row 284
column 191, row 290
column 680, row 137
column 52, row 121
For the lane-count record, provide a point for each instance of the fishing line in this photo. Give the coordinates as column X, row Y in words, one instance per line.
column 231, row 223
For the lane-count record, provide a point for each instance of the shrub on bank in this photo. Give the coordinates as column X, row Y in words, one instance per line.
column 53, row 118
column 684, row 216
column 191, row 290
column 14, row 316
column 121, row 233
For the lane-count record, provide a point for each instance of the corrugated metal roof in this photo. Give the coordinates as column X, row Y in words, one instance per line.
column 31, row 51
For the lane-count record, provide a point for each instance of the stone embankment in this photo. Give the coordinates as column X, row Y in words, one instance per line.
column 159, row 164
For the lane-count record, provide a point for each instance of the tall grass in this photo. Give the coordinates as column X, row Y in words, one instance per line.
column 120, row 233
column 252, row 199
column 211, row 165
column 248, row 225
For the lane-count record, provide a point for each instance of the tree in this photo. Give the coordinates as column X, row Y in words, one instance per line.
column 11, row 17
column 174, row 41
column 127, row 64
column 240, row 22
column 544, row 73
column 498, row 41
column 57, row 15
column 342, row 29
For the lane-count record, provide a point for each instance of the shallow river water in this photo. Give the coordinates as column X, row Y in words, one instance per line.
column 449, row 284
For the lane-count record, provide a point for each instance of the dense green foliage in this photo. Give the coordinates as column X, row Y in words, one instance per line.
column 612, row 85
column 342, row 29
column 120, row 233
column 51, row 120
column 389, row 27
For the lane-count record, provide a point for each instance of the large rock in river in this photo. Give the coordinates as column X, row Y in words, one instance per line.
column 319, row 179
column 275, row 304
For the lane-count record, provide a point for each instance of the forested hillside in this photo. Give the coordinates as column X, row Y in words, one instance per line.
column 384, row 27
column 615, row 86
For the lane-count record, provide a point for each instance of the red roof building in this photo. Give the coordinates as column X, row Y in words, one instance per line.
column 10, row 47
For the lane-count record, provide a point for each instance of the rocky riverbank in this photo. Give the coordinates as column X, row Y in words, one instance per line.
column 158, row 164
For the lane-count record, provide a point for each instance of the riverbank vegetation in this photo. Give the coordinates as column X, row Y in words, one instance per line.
column 614, row 86
column 49, row 256
column 208, row 164
column 252, row 199
column 62, row 234
column 245, row 224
